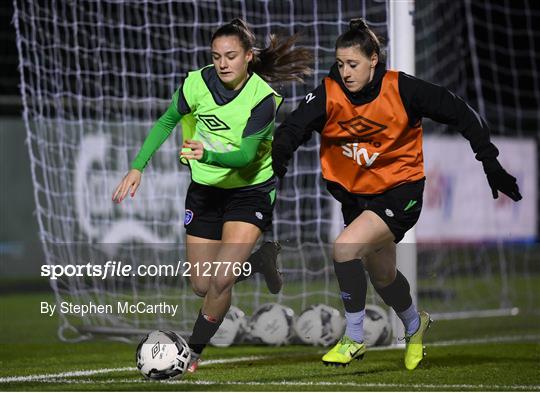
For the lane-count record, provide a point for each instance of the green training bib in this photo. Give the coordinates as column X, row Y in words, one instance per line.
column 220, row 128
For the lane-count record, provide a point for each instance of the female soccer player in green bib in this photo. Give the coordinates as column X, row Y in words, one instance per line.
column 227, row 111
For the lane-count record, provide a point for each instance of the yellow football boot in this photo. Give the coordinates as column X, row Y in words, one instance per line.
column 343, row 352
column 414, row 349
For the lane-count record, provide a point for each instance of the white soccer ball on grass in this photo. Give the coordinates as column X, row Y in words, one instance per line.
column 320, row 325
column 377, row 326
column 272, row 324
column 231, row 329
column 162, row 355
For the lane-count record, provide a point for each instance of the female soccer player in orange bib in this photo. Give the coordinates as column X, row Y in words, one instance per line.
column 369, row 119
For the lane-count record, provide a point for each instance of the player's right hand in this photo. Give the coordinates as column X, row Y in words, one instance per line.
column 129, row 183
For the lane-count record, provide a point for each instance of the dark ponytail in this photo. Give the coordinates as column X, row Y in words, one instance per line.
column 359, row 34
column 358, row 24
column 279, row 61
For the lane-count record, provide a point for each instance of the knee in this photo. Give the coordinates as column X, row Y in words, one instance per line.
column 382, row 277
column 345, row 251
column 199, row 289
column 221, row 285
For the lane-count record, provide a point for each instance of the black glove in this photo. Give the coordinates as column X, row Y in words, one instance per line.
column 500, row 180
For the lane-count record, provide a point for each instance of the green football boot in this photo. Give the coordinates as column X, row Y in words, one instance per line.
column 414, row 349
column 343, row 352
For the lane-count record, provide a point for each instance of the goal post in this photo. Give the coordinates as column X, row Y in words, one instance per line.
column 401, row 51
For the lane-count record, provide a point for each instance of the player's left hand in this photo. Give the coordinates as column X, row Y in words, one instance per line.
column 500, row 180
column 197, row 150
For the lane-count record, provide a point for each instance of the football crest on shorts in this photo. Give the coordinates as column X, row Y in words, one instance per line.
column 188, row 217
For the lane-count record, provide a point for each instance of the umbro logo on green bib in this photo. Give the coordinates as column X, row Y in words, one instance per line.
column 214, row 123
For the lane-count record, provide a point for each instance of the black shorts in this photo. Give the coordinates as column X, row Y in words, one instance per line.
column 208, row 208
column 398, row 207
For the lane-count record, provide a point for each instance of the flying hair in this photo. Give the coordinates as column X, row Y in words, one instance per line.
column 279, row 61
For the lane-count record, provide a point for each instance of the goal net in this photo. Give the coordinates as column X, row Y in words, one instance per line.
column 487, row 270
column 95, row 75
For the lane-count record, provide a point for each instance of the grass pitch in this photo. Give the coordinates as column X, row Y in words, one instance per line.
column 492, row 354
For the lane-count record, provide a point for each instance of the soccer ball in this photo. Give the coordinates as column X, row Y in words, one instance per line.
column 320, row 325
column 231, row 329
column 162, row 355
column 272, row 324
column 377, row 327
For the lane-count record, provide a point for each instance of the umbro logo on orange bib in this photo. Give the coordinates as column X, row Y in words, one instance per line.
column 214, row 123
column 360, row 126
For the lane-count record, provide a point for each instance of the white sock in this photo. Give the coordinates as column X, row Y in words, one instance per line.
column 355, row 325
column 411, row 319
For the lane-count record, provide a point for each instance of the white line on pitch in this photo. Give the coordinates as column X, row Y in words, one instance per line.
column 487, row 340
column 67, row 374
column 483, row 340
column 297, row 383
column 83, row 373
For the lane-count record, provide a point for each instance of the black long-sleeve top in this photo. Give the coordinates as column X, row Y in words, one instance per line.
column 420, row 99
